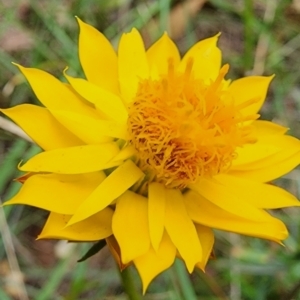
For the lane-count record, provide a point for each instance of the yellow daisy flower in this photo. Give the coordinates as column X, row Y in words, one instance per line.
column 153, row 151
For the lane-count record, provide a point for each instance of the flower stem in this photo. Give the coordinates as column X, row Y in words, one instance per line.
column 128, row 284
column 186, row 286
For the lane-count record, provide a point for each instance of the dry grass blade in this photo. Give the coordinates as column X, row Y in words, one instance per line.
column 264, row 40
column 180, row 15
column 14, row 282
column 14, row 129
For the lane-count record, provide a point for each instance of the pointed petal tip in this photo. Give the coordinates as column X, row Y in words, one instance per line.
column 201, row 266
column 39, row 237
column 215, row 37
column 71, row 222
column 19, row 165
column 80, row 22
column 190, row 267
column 145, row 287
column 20, row 67
column 133, row 29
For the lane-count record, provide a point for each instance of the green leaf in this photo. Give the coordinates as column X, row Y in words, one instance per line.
column 93, row 250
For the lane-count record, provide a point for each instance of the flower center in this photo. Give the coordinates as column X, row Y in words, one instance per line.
column 184, row 128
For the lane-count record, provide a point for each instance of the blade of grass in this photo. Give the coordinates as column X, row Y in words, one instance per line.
column 186, row 286
column 10, row 162
column 164, row 13
column 248, row 16
column 79, row 281
column 3, row 295
column 140, row 16
column 49, row 290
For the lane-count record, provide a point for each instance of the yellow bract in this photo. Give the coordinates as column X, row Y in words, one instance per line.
column 152, row 151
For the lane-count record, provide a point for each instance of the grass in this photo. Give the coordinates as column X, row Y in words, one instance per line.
column 258, row 37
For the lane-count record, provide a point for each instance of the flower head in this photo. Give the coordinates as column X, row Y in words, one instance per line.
column 152, row 151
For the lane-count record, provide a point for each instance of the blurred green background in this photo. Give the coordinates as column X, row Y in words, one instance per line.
column 259, row 37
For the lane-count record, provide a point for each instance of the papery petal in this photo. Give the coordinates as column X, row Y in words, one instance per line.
column 53, row 93
column 116, row 252
column 133, row 65
column 119, row 181
column 269, row 158
column 130, row 226
column 73, row 160
column 61, row 194
column 219, row 195
column 265, row 128
column 89, row 129
column 160, row 54
column 156, row 212
column 125, row 153
column 260, row 195
column 95, row 228
column 108, row 103
column 247, row 88
column 267, row 149
column 181, row 229
column 98, row 58
column 206, row 213
column 206, row 58
column 45, row 130
column 278, row 168
column 206, row 238
column 270, row 140
column 154, row 262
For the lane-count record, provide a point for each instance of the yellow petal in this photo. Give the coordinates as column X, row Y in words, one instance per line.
column 271, row 157
column 45, row 130
column 73, row 160
column 260, row 195
column 181, row 229
column 98, row 58
column 154, row 262
column 206, row 238
column 265, row 150
column 219, row 195
column 108, row 103
column 247, row 88
column 133, row 63
column 161, row 53
column 95, row 228
column 52, row 93
column 277, row 168
column 119, row 181
column 125, row 153
column 206, row 58
column 206, row 213
column 265, row 128
column 89, row 129
column 130, row 226
column 156, row 213
column 60, row 194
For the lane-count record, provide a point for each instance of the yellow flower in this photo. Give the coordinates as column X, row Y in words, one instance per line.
column 152, row 151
